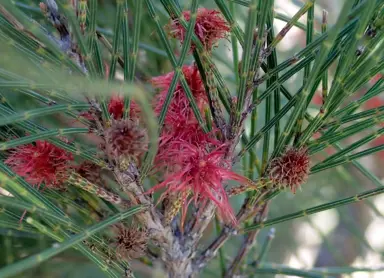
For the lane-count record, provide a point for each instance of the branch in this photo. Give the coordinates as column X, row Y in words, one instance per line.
column 245, row 212
column 248, row 243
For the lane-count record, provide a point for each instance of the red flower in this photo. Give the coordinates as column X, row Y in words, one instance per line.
column 41, row 163
column 187, row 132
column 130, row 243
column 209, row 28
column 175, row 139
column 116, row 107
column 291, row 169
column 201, row 172
column 179, row 106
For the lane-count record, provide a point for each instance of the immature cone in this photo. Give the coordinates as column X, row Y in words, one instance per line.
column 131, row 243
column 290, row 169
column 125, row 139
column 210, row 27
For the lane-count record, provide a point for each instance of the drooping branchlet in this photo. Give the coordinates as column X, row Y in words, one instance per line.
column 290, row 169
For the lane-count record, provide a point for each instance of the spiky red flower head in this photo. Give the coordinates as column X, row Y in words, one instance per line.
column 125, row 138
column 188, row 130
column 179, row 107
column 116, row 107
column 41, row 163
column 209, row 28
column 290, row 169
column 201, row 172
column 131, row 242
column 180, row 132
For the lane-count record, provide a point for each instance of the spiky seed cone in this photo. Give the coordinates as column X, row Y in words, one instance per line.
column 131, row 242
column 290, row 169
column 125, row 138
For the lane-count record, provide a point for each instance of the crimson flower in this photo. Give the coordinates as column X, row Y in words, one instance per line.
column 178, row 133
column 41, row 163
column 376, row 78
column 116, row 107
column 201, row 172
column 180, row 123
column 179, row 107
column 378, row 142
column 209, row 28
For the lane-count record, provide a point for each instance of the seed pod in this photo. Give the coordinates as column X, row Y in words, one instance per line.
column 125, row 139
column 290, row 169
column 131, row 243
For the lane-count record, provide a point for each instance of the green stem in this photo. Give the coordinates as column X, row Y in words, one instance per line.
column 316, row 209
column 34, row 260
column 40, row 136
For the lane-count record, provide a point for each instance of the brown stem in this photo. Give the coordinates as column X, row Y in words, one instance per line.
column 247, row 245
column 245, row 212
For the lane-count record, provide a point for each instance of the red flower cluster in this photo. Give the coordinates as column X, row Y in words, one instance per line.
column 179, row 108
column 41, row 163
column 290, row 169
column 180, row 123
column 192, row 161
column 202, row 172
column 209, row 28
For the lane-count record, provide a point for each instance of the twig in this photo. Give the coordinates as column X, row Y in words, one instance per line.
column 244, row 213
column 247, row 244
column 264, row 248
